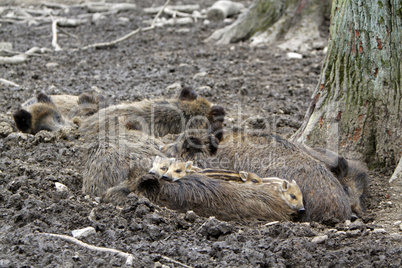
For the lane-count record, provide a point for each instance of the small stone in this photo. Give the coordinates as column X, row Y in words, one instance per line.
column 199, row 75
column 306, row 224
column 76, row 256
column 160, row 265
column 83, row 232
column 292, row 55
column 348, row 222
column 400, row 227
column 97, row 17
column 206, row 22
column 175, row 86
column 60, row 187
column 319, row 239
column 340, row 233
column 183, row 30
column 271, row 223
column 379, row 231
column 52, row 65
column 190, row 216
column 397, row 222
column 353, row 233
column 123, row 19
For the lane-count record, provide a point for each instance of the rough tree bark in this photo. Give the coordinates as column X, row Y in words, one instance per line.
column 298, row 25
column 356, row 106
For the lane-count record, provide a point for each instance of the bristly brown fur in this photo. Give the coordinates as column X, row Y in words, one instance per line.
column 108, row 168
column 52, row 112
column 211, row 197
column 350, row 174
column 154, row 117
column 269, row 155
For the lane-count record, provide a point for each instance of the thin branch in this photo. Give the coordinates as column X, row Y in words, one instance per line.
column 54, row 36
column 175, row 262
column 8, row 83
column 129, row 257
column 67, row 33
column 127, row 36
column 159, row 13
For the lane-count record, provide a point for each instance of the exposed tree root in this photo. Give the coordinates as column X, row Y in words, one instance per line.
column 397, row 173
column 295, row 27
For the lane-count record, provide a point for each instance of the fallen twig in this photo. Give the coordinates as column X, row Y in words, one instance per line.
column 54, row 5
column 127, row 36
column 159, row 13
column 54, row 36
column 173, row 12
column 102, row 7
column 175, row 262
column 8, row 83
column 180, row 8
column 129, row 257
column 20, row 58
column 68, row 33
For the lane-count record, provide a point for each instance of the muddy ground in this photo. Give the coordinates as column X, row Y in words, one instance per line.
column 259, row 87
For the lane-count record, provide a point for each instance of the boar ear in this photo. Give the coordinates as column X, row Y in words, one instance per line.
column 23, row 120
column 217, row 130
column 243, row 175
column 157, row 158
column 42, row 97
column 171, row 160
column 285, row 185
column 189, row 165
column 213, row 144
column 216, row 114
column 187, row 94
column 294, row 182
column 85, row 98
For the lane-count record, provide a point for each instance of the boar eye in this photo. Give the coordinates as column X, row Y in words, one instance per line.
column 178, row 170
column 293, row 196
column 164, row 168
column 254, row 181
column 57, row 117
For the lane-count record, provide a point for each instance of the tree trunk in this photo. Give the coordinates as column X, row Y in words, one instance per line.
column 296, row 24
column 356, row 106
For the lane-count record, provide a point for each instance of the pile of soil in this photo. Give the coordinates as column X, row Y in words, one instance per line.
column 259, row 87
